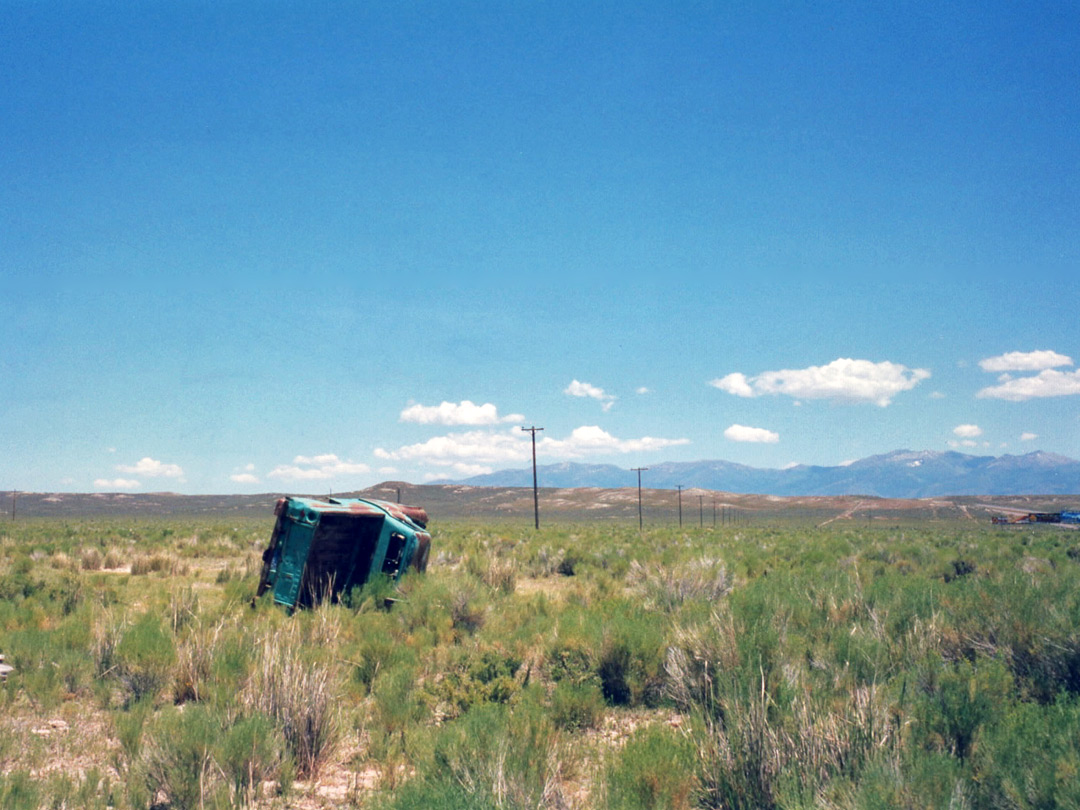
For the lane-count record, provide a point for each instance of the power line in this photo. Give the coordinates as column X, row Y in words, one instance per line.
column 639, row 471
column 536, row 495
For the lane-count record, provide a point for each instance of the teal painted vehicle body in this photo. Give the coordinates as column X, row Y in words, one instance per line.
column 320, row 549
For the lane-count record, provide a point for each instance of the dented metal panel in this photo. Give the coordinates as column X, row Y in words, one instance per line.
column 322, row 548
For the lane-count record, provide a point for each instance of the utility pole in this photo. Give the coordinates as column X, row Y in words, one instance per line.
column 639, row 471
column 701, row 510
column 680, row 486
column 536, row 496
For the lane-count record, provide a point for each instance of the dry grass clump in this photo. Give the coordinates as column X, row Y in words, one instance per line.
column 63, row 562
column 298, row 695
column 90, row 559
column 159, row 564
column 748, row 759
column 183, row 608
column 106, row 633
column 195, row 656
column 668, row 587
column 697, row 657
column 501, row 575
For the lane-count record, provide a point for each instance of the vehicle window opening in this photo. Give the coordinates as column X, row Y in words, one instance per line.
column 340, row 556
column 394, row 551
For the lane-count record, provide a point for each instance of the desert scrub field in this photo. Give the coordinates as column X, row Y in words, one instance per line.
column 575, row 667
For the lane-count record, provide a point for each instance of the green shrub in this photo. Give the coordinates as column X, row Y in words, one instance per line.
column 397, row 706
column 576, row 706
column 1029, row 757
column 656, row 770
column 571, row 660
column 479, row 674
column 957, row 700
column 252, row 752
column 19, row 791
column 378, row 650
column 128, row 726
column 498, row 755
column 630, row 663
column 145, row 657
column 425, row 794
column 178, row 757
column 375, row 594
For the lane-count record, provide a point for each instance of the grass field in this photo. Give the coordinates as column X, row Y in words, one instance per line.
column 857, row 664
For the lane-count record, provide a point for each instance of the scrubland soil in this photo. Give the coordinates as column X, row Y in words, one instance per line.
column 844, row 662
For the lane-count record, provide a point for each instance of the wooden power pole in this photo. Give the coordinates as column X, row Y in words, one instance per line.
column 639, row 470
column 536, row 495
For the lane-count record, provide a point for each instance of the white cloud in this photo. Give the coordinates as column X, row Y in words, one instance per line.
column 116, row 483
column 473, row 445
column 488, row 447
column 842, row 379
column 742, row 433
column 317, row 468
column 936, row 395
column 469, row 470
column 387, row 470
column 734, row 383
column 964, row 443
column 1028, row 437
column 457, row 413
column 151, row 468
column 590, row 439
column 1048, row 383
column 1025, row 361
column 643, row 390
column 584, row 389
column 967, row 431
column 245, row 475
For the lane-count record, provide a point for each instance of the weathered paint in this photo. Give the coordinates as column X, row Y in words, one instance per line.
column 322, row 548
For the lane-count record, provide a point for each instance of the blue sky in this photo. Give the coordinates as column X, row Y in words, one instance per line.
column 252, row 247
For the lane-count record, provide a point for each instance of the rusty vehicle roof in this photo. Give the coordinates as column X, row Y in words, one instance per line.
column 412, row 515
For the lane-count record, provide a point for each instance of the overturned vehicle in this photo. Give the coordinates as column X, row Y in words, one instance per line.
column 320, row 549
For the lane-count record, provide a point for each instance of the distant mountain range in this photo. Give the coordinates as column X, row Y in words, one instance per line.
column 900, row 474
